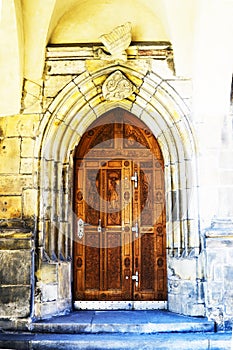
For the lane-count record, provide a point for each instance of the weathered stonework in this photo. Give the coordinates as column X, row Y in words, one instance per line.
column 81, row 99
column 185, row 282
column 32, row 96
column 36, row 183
column 53, row 293
column 116, row 43
column 117, row 87
column 16, row 275
column 219, row 272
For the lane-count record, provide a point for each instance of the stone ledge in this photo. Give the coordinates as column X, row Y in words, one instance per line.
column 222, row 227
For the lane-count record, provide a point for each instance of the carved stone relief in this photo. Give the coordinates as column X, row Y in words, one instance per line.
column 117, row 87
column 116, row 42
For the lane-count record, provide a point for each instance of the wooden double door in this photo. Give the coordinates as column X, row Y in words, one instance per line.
column 120, row 237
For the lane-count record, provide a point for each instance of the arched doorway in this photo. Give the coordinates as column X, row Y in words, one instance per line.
column 120, row 221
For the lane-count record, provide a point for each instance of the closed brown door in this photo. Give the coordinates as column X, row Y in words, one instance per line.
column 119, row 238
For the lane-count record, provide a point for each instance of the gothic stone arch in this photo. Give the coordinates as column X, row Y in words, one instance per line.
column 160, row 107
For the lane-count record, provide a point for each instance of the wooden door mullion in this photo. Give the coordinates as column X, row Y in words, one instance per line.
column 127, row 259
column 136, row 235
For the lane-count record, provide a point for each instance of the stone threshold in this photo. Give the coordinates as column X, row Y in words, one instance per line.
column 136, row 321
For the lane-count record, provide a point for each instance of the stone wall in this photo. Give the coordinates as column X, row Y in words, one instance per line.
column 219, row 273
column 36, row 187
column 18, row 190
column 18, row 203
column 16, row 277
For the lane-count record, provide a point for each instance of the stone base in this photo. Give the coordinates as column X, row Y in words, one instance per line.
column 16, row 275
column 53, row 289
column 185, row 286
column 219, row 273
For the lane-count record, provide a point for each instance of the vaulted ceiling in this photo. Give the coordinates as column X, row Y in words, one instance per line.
column 200, row 32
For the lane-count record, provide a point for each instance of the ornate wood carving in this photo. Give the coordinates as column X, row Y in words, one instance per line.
column 124, row 224
column 148, row 261
column 114, row 197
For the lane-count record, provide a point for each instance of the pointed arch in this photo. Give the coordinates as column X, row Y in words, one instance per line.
column 81, row 102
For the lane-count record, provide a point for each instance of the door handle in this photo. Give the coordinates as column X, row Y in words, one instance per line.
column 135, row 278
column 135, row 179
column 135, row 229
column 99, row 229
column 81, row 225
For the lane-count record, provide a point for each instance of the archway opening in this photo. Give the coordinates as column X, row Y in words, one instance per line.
column 63, row 126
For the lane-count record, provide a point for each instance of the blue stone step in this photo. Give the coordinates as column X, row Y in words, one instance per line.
column 162, row 341
column 143, row 322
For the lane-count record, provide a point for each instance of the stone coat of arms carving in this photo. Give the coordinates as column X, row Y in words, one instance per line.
column 117, row 87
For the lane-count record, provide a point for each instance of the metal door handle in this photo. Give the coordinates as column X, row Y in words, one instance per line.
column 99, row 229
column 135, row 229
column 135, row 179
column 81, row 225
column 135, row 278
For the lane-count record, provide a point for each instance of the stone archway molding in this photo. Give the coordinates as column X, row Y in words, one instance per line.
column 71, row 112
column 160, row 107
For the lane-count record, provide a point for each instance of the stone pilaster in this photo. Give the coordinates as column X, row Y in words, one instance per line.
column 219, row 272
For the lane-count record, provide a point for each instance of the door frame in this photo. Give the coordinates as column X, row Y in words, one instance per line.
column 73, row 109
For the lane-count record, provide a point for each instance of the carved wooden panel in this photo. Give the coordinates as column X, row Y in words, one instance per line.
column 114, row 197
column 148, row 262
column 92, row 198
column 114, row 275
column 92, row 259
column 124, row 221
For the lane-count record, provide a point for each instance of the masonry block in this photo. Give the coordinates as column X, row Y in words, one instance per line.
column 52, row 308
column 26, row 166
column 186, row 269
column 10, row 207
column 19, row 125
column 228, row 273
column 55, row 83
column 64, row 280
column 15, row 244
column 194, row 309
column 29, row 202
column 13, row 184
column 10, row 155
column 214, row 290
column 65, row 67
column 228, row 302
column 188, row 289
column 47, row 273
column 49, row 292
column 218, row 272
column 15, row 267
column 15, row 301
column 27, row 147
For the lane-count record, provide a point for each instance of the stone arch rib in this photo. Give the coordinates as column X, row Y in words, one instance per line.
column 160, row 107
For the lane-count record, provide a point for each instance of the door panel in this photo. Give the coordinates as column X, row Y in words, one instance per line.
column 120, row 238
